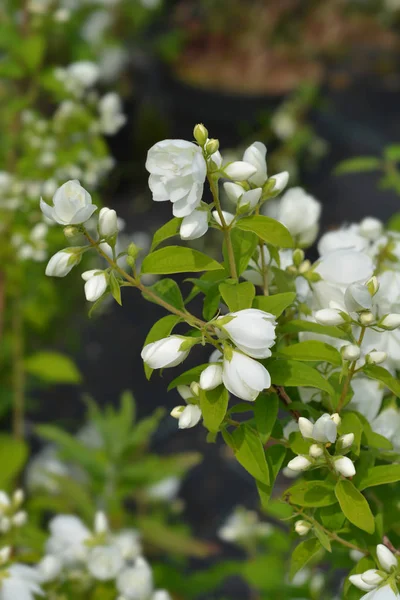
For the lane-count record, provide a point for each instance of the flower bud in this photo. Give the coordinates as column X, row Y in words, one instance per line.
column 315, row 451
column 165, row 353
column 345, row 441
column 344, row 466
column 5, row 554
column 195, row 388
column 177, row 411
column 96, row 284
column 386, row 558
column 306, row 427
column 185, row 392
column 357, row 298
column 298, row 257
column 19, row 519
column 108, row 223
column 211, row 377
column 239, row 170
column 372, row 577
column 195, row 225
column 305, row 266
column 200, row 134
column 133, row 250
column 212, row 146
column 373, row 285
column 390, row 321
column 371, row 228
column 335, row 417
column 329, row 316
column 302, row 527
column 4, row 501
column 18, row 497
column 61, row 263
column 375, row 357
column 357, row 580
column 351, row 352
column 228, row 217
column 300, row 463
column 100, row 523
column 189, row 417
column 366, row 318
column 279, row 181
column 49, row 568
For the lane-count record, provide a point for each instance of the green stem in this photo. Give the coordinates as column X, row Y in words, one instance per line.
column 350, row 374
column 18, row 372
column 225, row 228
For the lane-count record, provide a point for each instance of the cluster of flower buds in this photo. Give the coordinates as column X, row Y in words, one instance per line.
column 323, row 434
column 380, row 583
column 11, row 514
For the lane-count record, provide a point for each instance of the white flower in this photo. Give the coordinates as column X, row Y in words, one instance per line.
column 346, row 238
column 243, row 376
column 351, row 352
column 111, row 115
column 390, row 321
column 128, row 543
column 329, row 316
column 357, row 298
column 177, row 173
column 165, row 353
column 194, row 225
column 299, row 463
column 136, row 583
column 228, row 217
column 371, row 577
column 22, row 583
column 371, row 228
column 302, row 527
column 344, row 466
column 104, row 562
column 67, row 539
column 108, row 222
column 96, row 284
column 252, row 331
column 300, row 213
column 358, row 581
column 281, row 181
column 244, row 199
column 166, row 490
column 161, row 595
column 386, row 558
column 323, row 430
column 84, row 72
column 20, row 518
column 5, row 554
column 4, row 501
column 188, row 416
column 239, row 170
column 346, row 440
column 388, row 425
column 255, row 155
column 243, row 524
column 100, row 523
column 72, row 204
column 211, row 377
column 49, row 568
column 61, row 263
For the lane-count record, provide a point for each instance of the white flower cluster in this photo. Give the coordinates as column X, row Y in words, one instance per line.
column 11, row 515
column 243, row 525
column 323, row 434
column 380, row 584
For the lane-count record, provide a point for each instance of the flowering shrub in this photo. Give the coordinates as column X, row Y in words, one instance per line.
column 309, row 350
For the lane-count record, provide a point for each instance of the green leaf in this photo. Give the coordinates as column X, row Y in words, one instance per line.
column 331, row 517
column 358, row 164
column 177, row 259
column 380, row 475
column 52, row 367
column 160, row 535
column 211, row 304
column 161, row 329
column 31, row 50
column 275, row 456
column 13, row 455
column 392, row 152
column 311, row 494
column 214, row 404
column 249, row 452
column 302, row 555
column 265, row 413
column 354, row 506
column 381, row 374
column 168, row 290
column 115, row 288
column 298, row 326
column 322, row 537
column 292, row 373
column 313, row 351
column 165, row 232
column 188, row 377
column 237, row 296
column 244, row 244
column 351, row 424
column 267, row 229
column 394, row 222
column 275, row 304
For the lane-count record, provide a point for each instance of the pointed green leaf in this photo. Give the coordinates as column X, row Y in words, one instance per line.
column 380, row 475
column 275, row 304
column 297, row 326
column 244, row 244
column 267, row 229
column 249, row 452
column 168, row 290
column 187, row 377
column 302, row 555
column 358, row 164
column 312, row 351
column 381, row 374
column 311, row 494
column 53, row 367
column 237, row 296
column 292, row 373
column 165, row 232
column 275, row 456
column 214, row 404
column 177, row 259
column 354, row 506
column 115, row 288
column 265, row 413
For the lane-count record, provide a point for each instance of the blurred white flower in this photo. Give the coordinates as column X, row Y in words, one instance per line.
column 67, row 539
column 21, row 583
column 104, row 562
column 72, row 204
column 136, row 582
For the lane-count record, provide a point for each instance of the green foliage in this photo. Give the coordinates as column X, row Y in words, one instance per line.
column 275, row 304
column 52, row 367
column 214, row 404
column 312, row 494
column 358, row 164
column 354, row 506
column 237, row 296
column 293, row 373
column 267, row 229
column 13, row 455
column 167, row 231
column 244, row 244
column 303, row 554
column 176, row 259
column 312, row 351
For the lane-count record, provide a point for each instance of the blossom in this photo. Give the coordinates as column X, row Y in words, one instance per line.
column 242, row 198
column 387, row 423
column 166, row 490
column 72, row 204
column 386, row 558
column 96, row 284
column 299, row 463
column 49, row 568
column 84, row 72
column 323, row 430
column 104, row 562
column 239, row 170
column 243, row 376
column 255, row 155
column 390, row 321
column 188, row 416
column 375, row 582
column 371, row 228
column 177, row 173
column 111, row 115
column 127, row 543
column 211, row 377
column 357, row 298
column 243, row 524
column 351, row 352
column 61, row 263
column 194, row 225
column 165, row 353
column 302, row 527
column 344, row 466
column 329, row 316
column 67, row 539
column 252, row 331
column 300, row 213
column 108, row 222
column 136, row 582
column 22, row 583
column 345, row 238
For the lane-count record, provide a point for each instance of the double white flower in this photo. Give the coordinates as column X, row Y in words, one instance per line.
column 374, row 581
column 251, row 330
column 72, row 204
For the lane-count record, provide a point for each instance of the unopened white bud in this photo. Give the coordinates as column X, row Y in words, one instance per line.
column 373, row 285
column 300, row 463
column 390, row 321
column 346, row 440
column 344, row 466
column 211, row 377
column 305, row 267
column 366, row 318
column 62, row 263
column 240, row 170
column 108, row 222
column 315, row 451
column 195, row 388
column 329, row 316
column 18, row 497
column 19, row 519
column 371, row 228
column 49, row 568
column 306, row 427
column 177, row 411
column 5, row 554
column 386, row 558
column 351, row 352
column 376, row 357
column 302, row 527
column 372, row 577
column 100, row 523
column 336, row 419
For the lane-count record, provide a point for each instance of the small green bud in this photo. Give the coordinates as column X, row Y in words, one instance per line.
column 304, row 267
column 131, row 261
column 212, row 146
column 314, row 277
column 133, row 250
column 298, row 257
column 200, row 134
